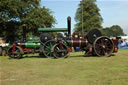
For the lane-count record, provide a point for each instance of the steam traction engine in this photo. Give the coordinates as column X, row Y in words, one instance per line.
column 92, row 43
column 58, row 47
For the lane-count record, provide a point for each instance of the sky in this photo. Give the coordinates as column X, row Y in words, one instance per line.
column 113, row 12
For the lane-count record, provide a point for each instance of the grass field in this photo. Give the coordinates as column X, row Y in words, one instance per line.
column 75, row 70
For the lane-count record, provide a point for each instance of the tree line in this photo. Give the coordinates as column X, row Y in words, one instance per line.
column 14, row 14
column 89, row 13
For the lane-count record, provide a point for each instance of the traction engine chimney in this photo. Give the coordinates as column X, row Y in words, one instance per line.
column 69, row 25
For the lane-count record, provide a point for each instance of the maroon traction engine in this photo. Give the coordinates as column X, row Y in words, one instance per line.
column 93, row 43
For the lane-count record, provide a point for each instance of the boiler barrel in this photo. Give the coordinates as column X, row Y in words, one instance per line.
column 30, row 45
column 77, row 43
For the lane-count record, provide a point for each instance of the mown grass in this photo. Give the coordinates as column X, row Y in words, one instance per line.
column 75, row 70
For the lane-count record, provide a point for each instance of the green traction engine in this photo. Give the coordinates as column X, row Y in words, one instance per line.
column 47, row 45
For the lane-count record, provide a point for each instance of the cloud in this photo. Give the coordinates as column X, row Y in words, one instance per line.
column 61, row 0
column 80, row 0
column 112, row 0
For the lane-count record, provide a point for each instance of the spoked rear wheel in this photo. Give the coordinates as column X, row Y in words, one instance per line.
column 0, row 51
column 15, row 54
column 47, row 48
column 60, row 51
column 103, row 46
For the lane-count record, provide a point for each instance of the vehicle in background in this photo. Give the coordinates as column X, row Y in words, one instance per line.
column 123, row 42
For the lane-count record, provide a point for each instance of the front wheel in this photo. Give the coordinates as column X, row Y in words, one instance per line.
column 60, row 51
column 17, row 53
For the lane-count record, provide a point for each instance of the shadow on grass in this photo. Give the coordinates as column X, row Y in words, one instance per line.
column 89, row 55
column 29, row 56
column 71, row 56
column 34, row 57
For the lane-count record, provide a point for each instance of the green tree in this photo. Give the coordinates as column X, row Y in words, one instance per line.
column 40, row 17
column 15, row 13
column 113, row 31
column 91, row 16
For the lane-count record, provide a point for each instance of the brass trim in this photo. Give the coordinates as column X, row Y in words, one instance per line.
column 72, row 42
column 80, row 42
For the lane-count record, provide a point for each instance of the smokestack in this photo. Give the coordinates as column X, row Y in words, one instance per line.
column 24, row 32
column 69, row 25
